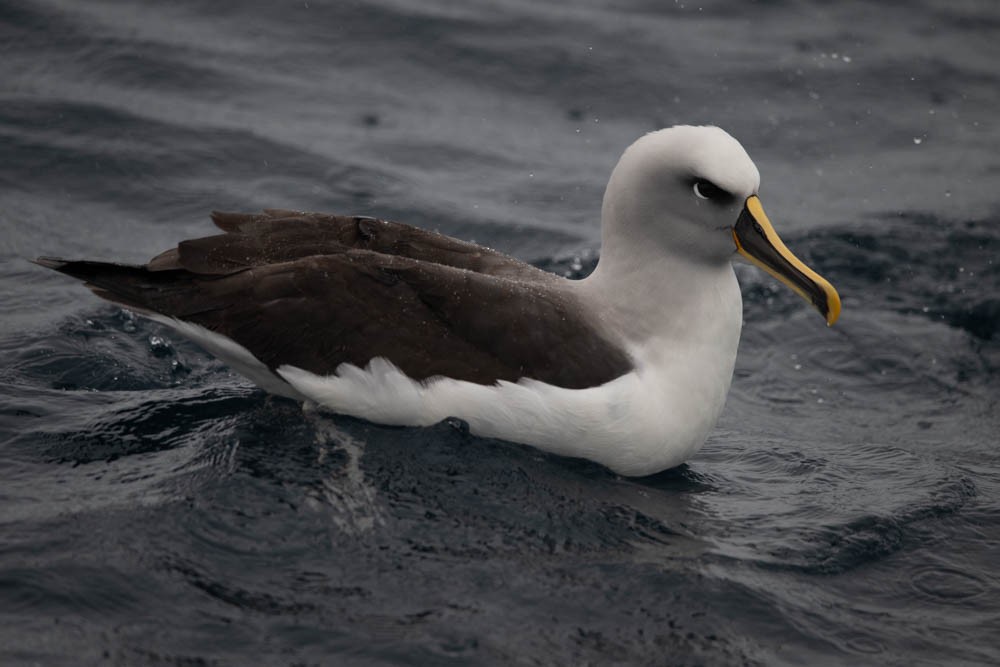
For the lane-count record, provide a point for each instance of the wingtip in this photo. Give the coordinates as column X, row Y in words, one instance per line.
column 282, row 213
column 55, row 263
column 228, row 221
column 235, row 222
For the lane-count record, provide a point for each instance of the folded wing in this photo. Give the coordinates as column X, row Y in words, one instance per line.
column 316, row 291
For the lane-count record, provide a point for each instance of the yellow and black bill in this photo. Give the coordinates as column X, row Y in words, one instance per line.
column 758, row 242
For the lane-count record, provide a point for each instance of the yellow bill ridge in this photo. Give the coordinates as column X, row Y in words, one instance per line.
column 757, row 241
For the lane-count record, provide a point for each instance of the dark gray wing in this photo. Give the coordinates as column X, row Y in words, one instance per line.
column 280, row 236
column 348, row 305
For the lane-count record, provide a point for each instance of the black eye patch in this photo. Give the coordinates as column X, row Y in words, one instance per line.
column 705, row 189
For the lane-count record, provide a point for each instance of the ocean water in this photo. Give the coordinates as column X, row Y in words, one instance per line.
column 155, row 508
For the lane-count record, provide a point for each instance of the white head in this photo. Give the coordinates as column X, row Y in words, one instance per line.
column 688, row 195
column 680, row 191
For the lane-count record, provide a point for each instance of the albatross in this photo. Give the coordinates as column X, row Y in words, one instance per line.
column 628, row 367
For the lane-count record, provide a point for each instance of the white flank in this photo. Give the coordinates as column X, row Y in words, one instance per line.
column 637, row 424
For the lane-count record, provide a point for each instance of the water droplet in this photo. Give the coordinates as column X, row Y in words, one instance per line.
column 178, row 369
column 129, row 325
column 160, row 347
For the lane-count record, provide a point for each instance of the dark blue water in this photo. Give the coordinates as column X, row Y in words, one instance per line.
column 157, row 509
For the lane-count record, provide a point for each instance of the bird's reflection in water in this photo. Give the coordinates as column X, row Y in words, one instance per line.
column 352, row 500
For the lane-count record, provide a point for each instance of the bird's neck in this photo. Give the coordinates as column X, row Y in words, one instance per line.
column 645, row 294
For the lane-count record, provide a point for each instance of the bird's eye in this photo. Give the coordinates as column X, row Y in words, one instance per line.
column 709, row 190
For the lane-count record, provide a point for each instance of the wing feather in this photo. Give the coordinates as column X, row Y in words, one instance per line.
column 315, row 291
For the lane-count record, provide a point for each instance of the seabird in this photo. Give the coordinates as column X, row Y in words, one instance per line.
column 628, row 367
